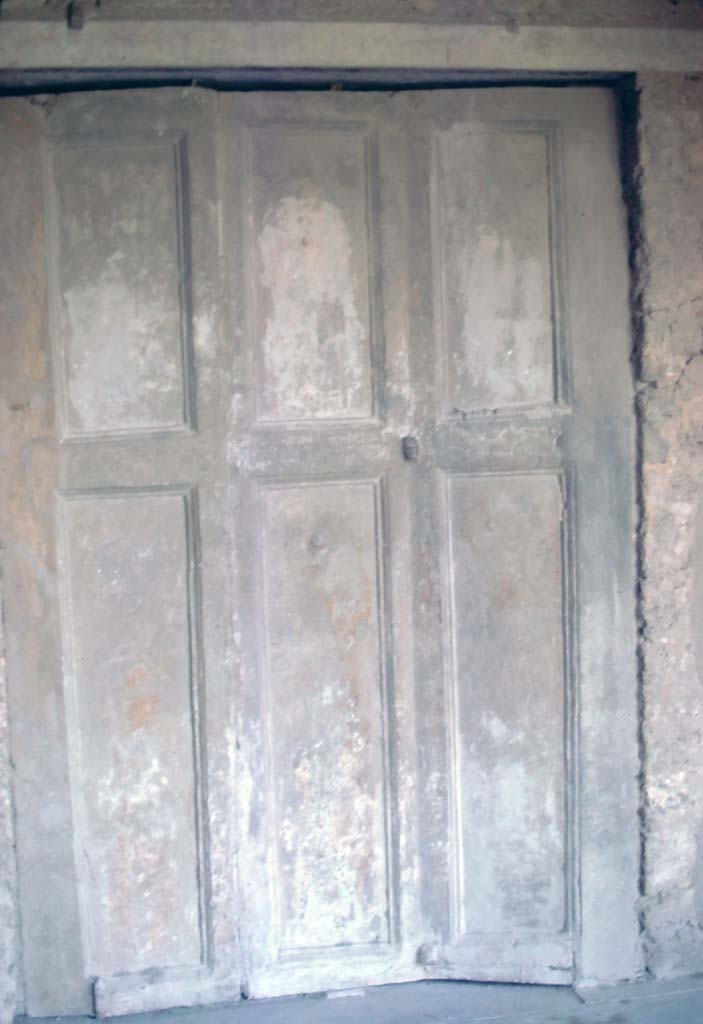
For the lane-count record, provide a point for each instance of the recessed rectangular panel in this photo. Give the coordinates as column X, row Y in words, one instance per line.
column 322, row 568
column 312, row 324
column 493, row 260
column 127, row 568
column 505, row 558
column 121, row 280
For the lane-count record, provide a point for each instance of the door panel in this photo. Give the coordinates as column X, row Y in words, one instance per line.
column 331, row 547
column 494, row 264
column 136, row 521
column 122, row 270
column 507, row 690
column 312, row 276
column 132, row 695
column 320, row 558
column 528, row 460
column 322, row 600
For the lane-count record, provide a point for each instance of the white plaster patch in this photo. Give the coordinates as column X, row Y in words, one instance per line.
column 120, row 374
column 315, row 342
column 503, row 341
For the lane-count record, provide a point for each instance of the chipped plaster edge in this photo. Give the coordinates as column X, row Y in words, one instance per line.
column 631, row 115
column 9, row 925
column 669, row 348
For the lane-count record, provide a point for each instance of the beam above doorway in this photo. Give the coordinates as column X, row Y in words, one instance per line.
column 217, row 43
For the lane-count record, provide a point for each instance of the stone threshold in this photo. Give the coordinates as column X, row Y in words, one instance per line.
column 447, row 1002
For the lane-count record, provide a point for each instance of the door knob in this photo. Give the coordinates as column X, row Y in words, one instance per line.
column 410, row 447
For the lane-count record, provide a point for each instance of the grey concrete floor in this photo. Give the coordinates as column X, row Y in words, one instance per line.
column 439, row 1002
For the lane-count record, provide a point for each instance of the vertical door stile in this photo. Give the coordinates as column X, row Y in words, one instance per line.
column 318, row 472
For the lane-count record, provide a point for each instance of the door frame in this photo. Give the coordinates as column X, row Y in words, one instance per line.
column 625, row 706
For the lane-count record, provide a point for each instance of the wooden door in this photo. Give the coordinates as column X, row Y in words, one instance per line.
column 326, row 545
column 118, row 606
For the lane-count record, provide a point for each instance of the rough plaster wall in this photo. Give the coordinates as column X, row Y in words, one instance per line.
column 9, row 967
column 671, row 397
column 11, row 137
column 23, row 415
column 513, row 13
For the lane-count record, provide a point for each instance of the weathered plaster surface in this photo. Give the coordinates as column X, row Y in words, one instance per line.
column 671, row 405
column 9, row 966
column 23, row 413
column 19, row 228
column 671, row 397
column 603, row 13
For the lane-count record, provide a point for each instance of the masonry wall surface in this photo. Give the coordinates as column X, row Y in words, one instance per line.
column 514, row 13
column 671, row 407
column 669, row 282
column 9, row 967
column 17, row 225
column 23, row 415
